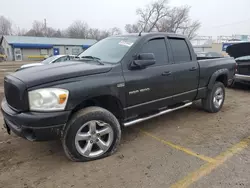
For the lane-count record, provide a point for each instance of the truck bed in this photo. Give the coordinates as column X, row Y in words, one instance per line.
column 209, row 66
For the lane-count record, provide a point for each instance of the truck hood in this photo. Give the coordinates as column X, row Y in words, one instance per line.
column 49, row 73
column 239, row 50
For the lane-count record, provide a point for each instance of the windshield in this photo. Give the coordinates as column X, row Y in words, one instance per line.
column 49, row 59
column 111, row 49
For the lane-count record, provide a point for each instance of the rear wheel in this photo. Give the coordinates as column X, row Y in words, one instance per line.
column 92, row 133
column 215, row 98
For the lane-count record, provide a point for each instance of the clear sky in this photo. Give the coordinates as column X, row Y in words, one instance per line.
column 218, row 17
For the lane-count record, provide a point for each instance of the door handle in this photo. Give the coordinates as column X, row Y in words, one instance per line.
column 166, row 73
column 193, row 69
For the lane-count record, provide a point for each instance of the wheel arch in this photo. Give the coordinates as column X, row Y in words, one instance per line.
column 221, row 76
column 106, row 101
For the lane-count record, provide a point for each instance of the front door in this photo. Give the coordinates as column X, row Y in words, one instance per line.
column 185, row 71
column 56, row 51
column 151, row 88
column 18, row 54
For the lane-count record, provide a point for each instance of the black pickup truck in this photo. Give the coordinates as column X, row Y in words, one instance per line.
column 119, row 81
column 241, row 53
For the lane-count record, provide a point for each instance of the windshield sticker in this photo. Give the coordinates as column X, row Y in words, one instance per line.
column 126, row 43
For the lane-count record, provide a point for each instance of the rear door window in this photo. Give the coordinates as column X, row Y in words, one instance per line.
column 158, row 48
column 180, row 50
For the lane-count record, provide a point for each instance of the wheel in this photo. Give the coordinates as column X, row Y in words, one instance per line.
column 92, row 133
column 215, row 98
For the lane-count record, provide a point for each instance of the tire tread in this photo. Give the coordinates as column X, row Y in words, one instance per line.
column 98, row 111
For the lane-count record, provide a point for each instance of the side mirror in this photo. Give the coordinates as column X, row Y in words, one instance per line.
column 143, row 60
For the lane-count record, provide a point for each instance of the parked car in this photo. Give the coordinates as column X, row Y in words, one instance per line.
column 241, row 53
column 49, row 60
column 119, row 81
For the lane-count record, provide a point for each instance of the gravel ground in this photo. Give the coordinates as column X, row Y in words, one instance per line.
column 143, row 159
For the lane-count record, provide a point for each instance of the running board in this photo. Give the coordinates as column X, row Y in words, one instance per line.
column 156, row 115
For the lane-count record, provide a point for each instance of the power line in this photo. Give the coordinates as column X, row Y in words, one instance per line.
column 233, row 23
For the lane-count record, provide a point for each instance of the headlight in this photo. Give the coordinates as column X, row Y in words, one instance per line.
column 48, row 99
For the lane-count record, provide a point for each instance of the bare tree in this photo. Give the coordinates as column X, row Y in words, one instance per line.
column 51, row 32
column 40, row 30
column 78, row 29
column 58, row 34
column 37, row 29
column 104, row 34
column 191, row 28
column 98, row 34
column 94, row 33
column 115, row 31
column 178, row 21
column 159, row 16
column 152, row 13
column 5, row 26
column 176, row 18
column 19, row 31
column 134, row 28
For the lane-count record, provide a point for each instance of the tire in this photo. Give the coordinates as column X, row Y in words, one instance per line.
column 212, row 104
column 79, row 136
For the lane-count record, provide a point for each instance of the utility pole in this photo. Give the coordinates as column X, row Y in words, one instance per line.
column 45, row 27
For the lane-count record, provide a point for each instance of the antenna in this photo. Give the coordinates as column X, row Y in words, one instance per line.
column 140, row 33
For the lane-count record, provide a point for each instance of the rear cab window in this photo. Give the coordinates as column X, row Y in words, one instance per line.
column 180, row 50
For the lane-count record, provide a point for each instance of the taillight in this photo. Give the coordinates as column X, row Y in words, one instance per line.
column 236, row 68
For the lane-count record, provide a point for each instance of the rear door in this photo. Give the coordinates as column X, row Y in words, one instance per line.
column 150, row 88
column 185, row 71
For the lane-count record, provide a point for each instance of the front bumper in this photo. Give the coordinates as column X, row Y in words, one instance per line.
column 35, row 126
column 245, row 79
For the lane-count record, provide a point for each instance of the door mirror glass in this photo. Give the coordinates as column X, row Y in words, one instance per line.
column 143, row 60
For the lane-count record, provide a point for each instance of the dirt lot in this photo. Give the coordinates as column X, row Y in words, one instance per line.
column 185, row 148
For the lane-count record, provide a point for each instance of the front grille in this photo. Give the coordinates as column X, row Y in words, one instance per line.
column 15, row 93
column 244, row 69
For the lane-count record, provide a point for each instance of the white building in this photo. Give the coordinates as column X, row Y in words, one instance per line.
column 18, row 48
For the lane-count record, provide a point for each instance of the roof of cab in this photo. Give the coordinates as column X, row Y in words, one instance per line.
column 154, row 33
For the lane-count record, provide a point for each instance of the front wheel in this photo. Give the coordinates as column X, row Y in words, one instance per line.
column 215, row 98
column 91, row 133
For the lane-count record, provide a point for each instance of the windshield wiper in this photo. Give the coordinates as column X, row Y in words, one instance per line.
column 93, row 58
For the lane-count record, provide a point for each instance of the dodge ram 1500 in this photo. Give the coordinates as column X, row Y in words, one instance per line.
column 119, row 81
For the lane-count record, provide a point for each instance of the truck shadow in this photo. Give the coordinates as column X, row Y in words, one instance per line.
column 170, row 121
column 239, row 86
column 42, row 151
